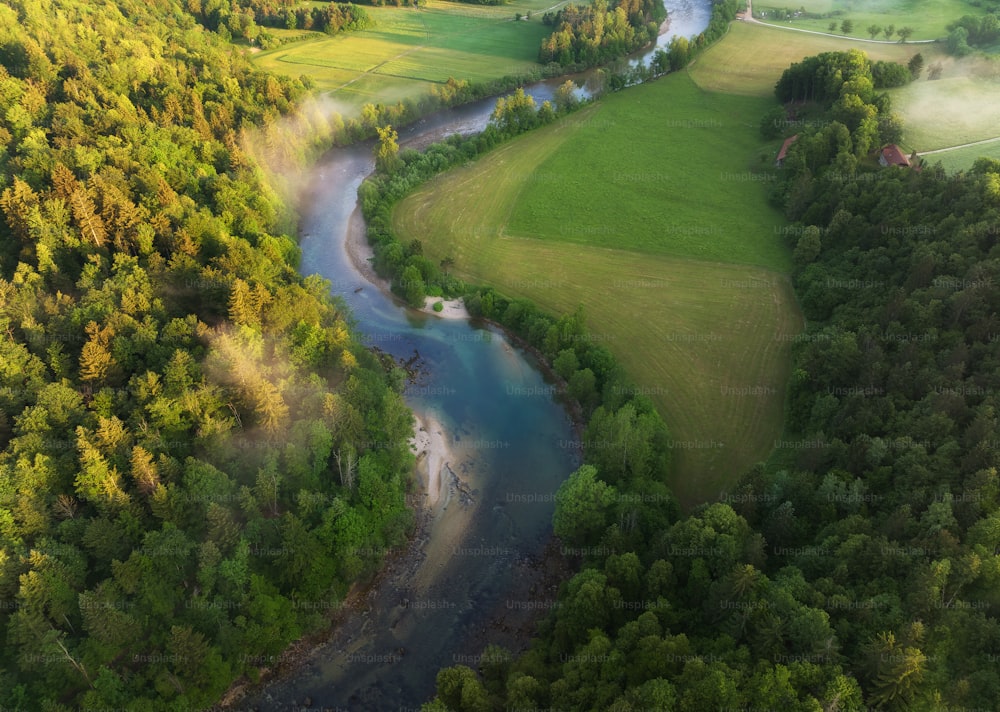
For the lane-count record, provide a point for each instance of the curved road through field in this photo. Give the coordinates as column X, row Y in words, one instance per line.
column 961, row 145
column 748, row 17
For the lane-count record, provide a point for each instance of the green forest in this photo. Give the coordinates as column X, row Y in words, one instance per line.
column 198, row 456
column 599, row 32
column 242, row 20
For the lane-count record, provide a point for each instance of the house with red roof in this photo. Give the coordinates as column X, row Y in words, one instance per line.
column 891, row 155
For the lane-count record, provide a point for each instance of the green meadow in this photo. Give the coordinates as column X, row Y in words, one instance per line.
column 650, row 210
column 411, row 49
column 950, row 111
column 668, row 162
column 962, row 158
column 928, row 18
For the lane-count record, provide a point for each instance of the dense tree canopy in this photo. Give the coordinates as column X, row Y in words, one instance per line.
column 851, row 119
column 600, row 31
column 243, row 19
column 188, row 428
column 970, row 31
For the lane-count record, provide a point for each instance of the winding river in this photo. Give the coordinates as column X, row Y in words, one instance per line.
column 507, row 447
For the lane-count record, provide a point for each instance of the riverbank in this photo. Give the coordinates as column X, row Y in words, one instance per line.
column 450, row 308
column 431, row 478
column 412, row 582
column 433, row 456
column 346, row 626
column 361, row 255
column 433, row 483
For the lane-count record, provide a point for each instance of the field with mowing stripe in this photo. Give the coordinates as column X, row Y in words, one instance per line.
column 410, row 49
column 686, row 164
column 928, row 18
column 750, row 58
column 691, row 302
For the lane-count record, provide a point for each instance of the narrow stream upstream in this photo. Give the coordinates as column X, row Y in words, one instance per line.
column 510, row 446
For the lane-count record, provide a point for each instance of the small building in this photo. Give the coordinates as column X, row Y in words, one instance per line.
column 891, row 155
column 783, row 153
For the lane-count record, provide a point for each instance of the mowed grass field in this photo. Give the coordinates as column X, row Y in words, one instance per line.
column 692, row 300
column 678, row 183
column 963, row 158
column 928, row 18
column 410, row 49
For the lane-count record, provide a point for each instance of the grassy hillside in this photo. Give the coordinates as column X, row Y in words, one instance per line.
column 687, row 297
column 410, row 49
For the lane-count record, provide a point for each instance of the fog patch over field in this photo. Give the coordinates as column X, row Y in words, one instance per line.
column 962, row 106
column 979, row 67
